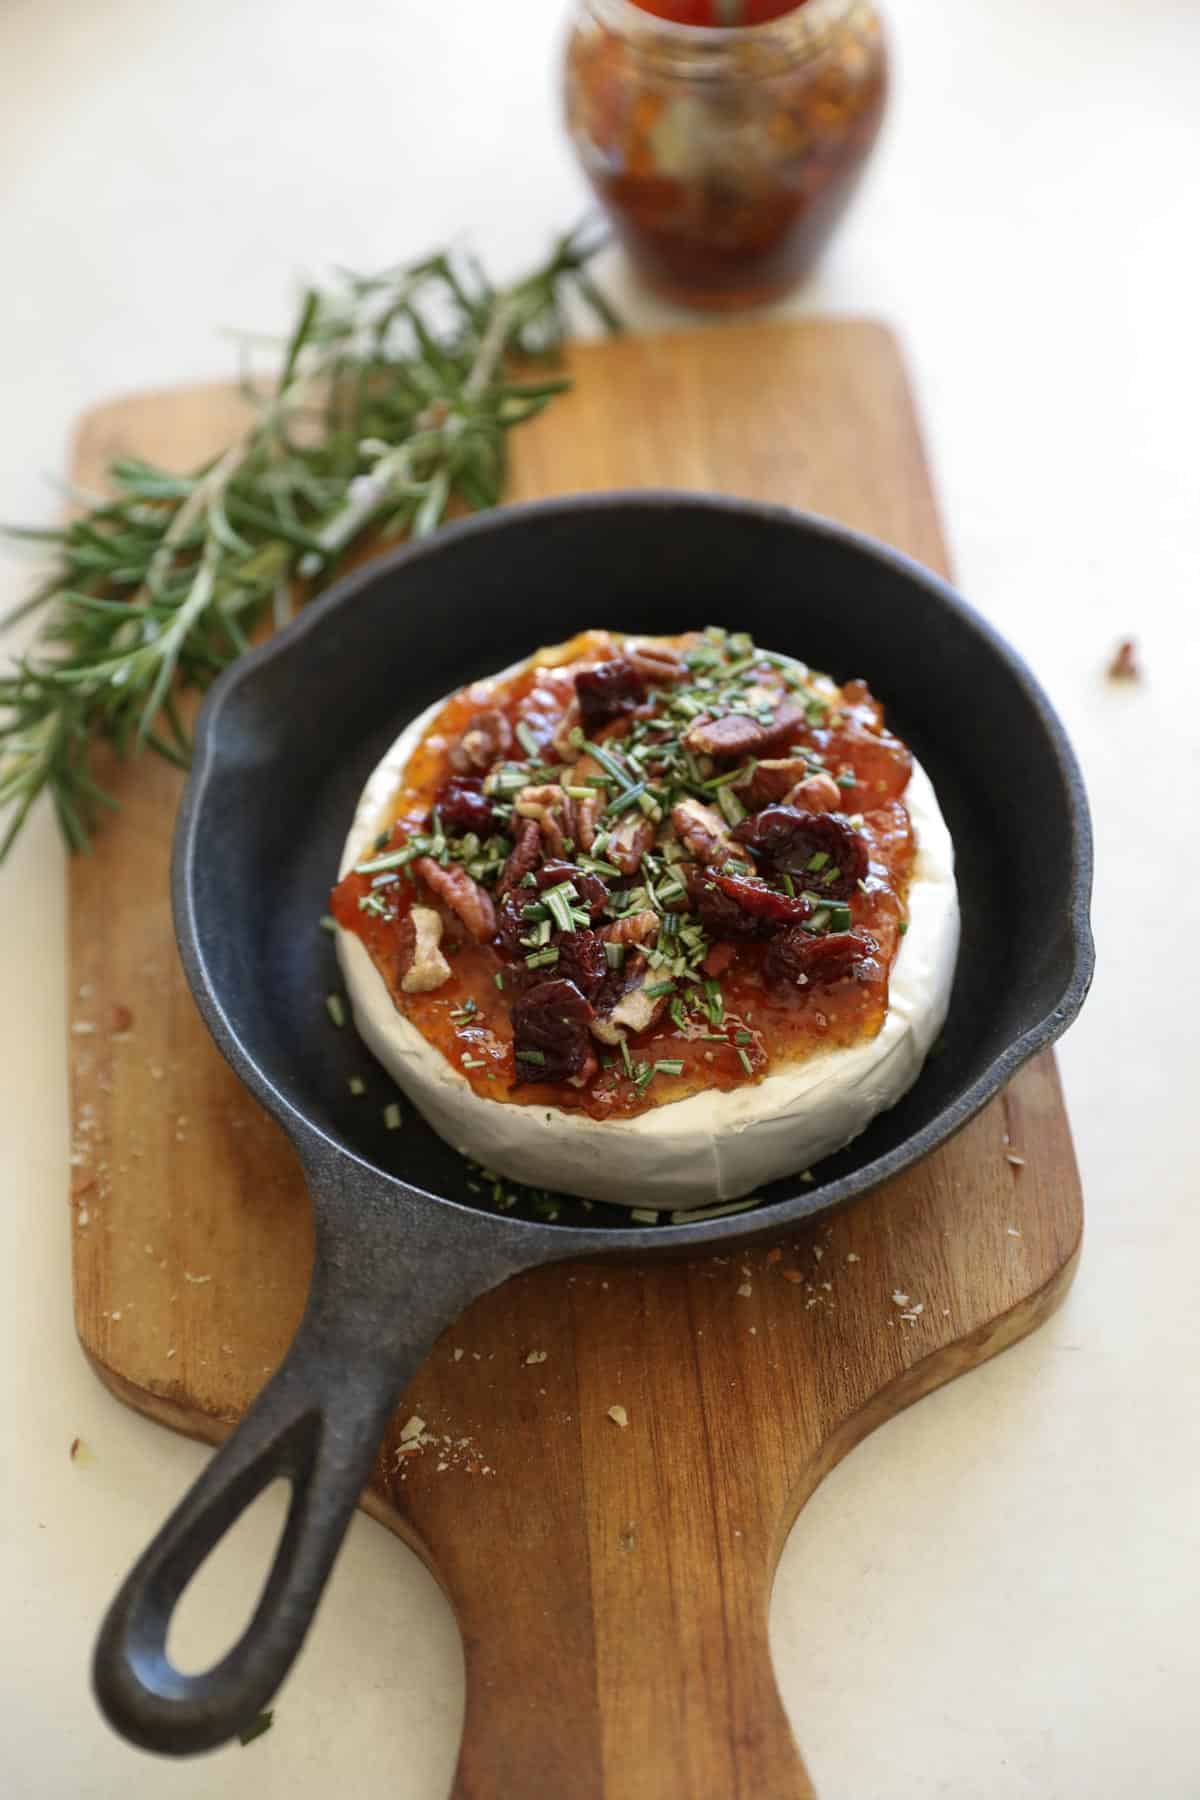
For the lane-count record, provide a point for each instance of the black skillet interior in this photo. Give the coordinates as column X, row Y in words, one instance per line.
column 298, row 728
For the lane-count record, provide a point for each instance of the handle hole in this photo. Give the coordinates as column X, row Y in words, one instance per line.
column 229, row 1583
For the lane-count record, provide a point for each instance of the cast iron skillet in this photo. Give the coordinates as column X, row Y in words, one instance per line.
column 285, row 742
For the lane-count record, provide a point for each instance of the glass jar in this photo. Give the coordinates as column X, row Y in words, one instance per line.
column 725, row 156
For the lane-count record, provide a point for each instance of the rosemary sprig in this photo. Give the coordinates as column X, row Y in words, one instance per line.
column 393, row 403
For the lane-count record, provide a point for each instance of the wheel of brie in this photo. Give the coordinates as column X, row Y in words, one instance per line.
column 649, row 921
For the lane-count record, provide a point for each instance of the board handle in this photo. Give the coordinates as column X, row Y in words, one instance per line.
column 318, row 1423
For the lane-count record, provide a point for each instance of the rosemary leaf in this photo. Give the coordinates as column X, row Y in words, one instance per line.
column 390, row 409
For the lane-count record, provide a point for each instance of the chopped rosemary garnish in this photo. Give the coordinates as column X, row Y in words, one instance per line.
column 745, row 1062
column 609, row 764
column 335, row 1007
column 542, row 959
column 670, row 1066
column 614, row 955
column 660, row 987
column 536, row 1057
column 357, row 1085
column 626, row 1058
column 328, row 922
column 391, row 1116
column 714, row 1002
column 623, row 802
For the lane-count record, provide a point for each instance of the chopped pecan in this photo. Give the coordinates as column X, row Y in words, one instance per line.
column 550, row 1026
column 609, row 690
column 550, row 806
column 487, row 737
column 463, row 805
column 629, row 843
column 656, row 664
column 816, row 794
column 524, row 857
column 702, row 830
column 738, row 735
column 633, row 1010
column 634, row 928
column 769, row 782
column 420, row 961
column 461, row 894
column 806, row 960
column 822, row 850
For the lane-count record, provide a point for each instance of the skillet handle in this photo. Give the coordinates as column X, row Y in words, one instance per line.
column 319, row 1422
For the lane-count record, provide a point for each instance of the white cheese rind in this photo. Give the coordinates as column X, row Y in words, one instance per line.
column 708, row 1147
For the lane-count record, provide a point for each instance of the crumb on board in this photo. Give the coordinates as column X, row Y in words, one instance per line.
column 76, row 1445
column 745, row 1290
column 853, row 1256
column 458, row 1355
column 899, row 1297
column 1018, row 1162
column 412, row 1428
column 1013, row 1232
column 1124, row 665
column 619, row 1416
column 536, row 1356
column 774, row 1256
column 196, row 1280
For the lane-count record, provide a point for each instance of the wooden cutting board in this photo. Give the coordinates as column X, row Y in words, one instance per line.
column 611, row 1580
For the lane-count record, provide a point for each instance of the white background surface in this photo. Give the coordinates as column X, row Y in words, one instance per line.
column 997, row 1595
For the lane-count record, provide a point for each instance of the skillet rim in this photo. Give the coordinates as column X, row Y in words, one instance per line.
column 542, row 1240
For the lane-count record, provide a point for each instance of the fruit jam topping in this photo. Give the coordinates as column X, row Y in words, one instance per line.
column 638, row 869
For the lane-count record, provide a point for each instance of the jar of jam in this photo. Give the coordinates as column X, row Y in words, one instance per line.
column 724, row 154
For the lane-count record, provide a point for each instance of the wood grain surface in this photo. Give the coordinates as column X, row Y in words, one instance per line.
column 611, row 1579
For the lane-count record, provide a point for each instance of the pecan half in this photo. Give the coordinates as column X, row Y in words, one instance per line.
column 656, row 664
column 769, row 782
column 738, row 735
column 821, row 850
column 609, row 690
column 423, row 966
column 816, row 794
column 523, row 858
column 702, row 830
column 629, row 843
column 461, row 894
column 634, row 928
column 811, row 961
column 487, row 737
column 550, row 1024
column 550, row 806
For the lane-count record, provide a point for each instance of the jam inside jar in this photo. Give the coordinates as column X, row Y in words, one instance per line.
column 724, row 156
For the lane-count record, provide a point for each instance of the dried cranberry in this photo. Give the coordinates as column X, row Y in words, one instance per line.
column 524, row 857
column 581, row 959
column 551, row 1023
column 591, row 890
column 608, row 691
column 463, row 805
column 807, row 960
column 792, row 842
column 742, row 906
column 511, row 925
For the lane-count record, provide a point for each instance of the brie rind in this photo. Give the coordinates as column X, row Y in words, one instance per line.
column 711, row 1146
